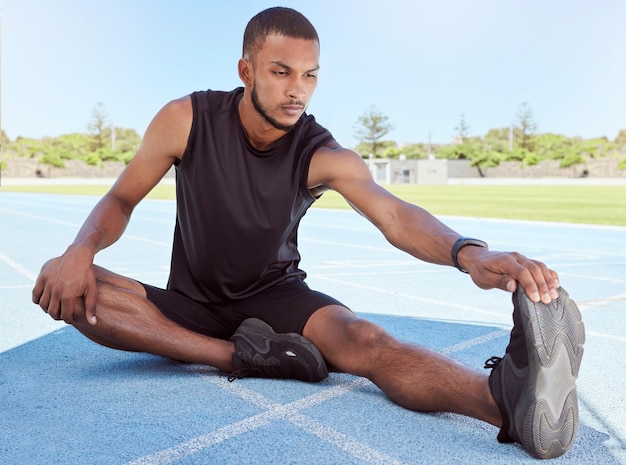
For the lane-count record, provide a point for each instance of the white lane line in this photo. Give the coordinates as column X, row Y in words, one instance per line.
column 389, row 249
column 379, row 290
column 605, row 336
column 595, row 277
column 18, row 268
column 341, row 440
column 77, row 225
column 475, row 342
column 39, row 217
column 601, row 302
column 85, row 209
column 372, row 273
column 274, row 411
column 291, row 413
column 192, row 446
column 144, row 239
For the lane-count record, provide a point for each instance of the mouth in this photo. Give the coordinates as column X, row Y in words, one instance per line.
column 293, row 109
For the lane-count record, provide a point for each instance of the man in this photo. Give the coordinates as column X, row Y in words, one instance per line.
column 249, row 163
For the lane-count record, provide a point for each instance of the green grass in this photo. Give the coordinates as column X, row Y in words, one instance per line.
column 574, row 204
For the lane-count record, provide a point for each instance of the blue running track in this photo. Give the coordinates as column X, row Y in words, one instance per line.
column 66, row 400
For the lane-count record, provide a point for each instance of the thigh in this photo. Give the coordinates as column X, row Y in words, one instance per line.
column 122, row 282
column 195, row 316
column 348, row 343
column 286, row 307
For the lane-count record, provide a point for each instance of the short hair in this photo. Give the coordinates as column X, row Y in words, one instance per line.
column 277, row 20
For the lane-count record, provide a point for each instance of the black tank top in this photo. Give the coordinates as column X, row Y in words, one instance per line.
column 238, row 208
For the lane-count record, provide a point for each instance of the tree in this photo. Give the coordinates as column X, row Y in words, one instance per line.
column 126, row 140
column 371, row 127
column 526, row 127
column 98, row 126
column 462, row 131
column 620, row 140
column 4, row 139
column 414, row 151
column 471, row 150
column 496, row 140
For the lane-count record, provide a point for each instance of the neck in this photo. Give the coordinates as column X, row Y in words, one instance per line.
column 261, row 134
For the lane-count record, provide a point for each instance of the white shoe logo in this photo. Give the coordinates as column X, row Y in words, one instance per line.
column 289, row 353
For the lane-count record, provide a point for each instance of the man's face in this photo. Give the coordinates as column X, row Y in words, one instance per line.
column 284, row 79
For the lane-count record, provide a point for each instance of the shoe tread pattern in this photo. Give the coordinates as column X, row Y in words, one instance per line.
column 556, row 334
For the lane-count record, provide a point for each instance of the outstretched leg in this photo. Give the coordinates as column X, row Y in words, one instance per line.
column 412, row 376
column 530, row 394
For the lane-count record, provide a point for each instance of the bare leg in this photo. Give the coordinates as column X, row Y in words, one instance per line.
column 412, row 376
column 127, row 320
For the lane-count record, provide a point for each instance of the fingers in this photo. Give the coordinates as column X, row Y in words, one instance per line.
column 57, row 308
column 507, row 270
column 37, row 292
column 540, row 282
column 53, row 302
column 90, row 306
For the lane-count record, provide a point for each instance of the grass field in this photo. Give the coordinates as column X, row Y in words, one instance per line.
column 564, row 203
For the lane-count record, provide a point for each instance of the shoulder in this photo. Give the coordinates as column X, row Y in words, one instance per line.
column 216, row 101
column 169, row 129
column 333, row 164
column 174, row 115
column 311, row 133
column 178, row 108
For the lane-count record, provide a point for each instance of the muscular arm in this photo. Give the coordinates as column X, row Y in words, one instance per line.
column 417, row 232
column 65, row 280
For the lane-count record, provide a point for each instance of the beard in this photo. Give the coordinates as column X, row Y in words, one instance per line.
column 261, row 111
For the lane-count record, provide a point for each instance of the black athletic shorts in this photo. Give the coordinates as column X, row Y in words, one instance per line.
column 285, row 307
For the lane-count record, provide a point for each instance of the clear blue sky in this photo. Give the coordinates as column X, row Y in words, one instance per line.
column 423, row 63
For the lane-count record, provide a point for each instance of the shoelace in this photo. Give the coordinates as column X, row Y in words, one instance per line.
column 265, row 371
column 493, row 362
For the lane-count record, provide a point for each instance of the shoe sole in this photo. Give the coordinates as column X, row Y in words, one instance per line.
column 253, row 326
column 547, row 420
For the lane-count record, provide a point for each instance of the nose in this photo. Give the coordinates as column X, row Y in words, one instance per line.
column 297, row 89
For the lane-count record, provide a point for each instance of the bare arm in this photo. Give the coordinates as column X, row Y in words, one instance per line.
column 417, row 232
column 65, row 280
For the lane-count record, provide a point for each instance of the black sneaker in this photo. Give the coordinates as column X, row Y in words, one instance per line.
column 262, row 353
column 534, row 384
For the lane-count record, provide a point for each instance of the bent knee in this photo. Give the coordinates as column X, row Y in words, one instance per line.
column 369, row 343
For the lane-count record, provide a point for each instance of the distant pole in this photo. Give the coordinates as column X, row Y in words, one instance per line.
column 0, row 71
column 1, row 145
column 112, row 137
column 511, row 137
column 430, row 156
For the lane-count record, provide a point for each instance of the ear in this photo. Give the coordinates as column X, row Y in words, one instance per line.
column 246, row 73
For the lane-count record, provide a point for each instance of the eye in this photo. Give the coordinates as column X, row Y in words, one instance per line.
column 311, row 76
column 280, row 73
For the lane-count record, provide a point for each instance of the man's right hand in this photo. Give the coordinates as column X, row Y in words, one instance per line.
column 66, row 285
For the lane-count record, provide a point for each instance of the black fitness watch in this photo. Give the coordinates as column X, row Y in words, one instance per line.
column 459, row 244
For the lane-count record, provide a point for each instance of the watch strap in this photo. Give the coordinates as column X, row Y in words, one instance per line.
column 459, row 244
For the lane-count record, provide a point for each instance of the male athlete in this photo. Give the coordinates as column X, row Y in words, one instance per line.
column 249, row 163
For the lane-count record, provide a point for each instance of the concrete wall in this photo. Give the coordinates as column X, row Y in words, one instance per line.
column 438, row 171
column 385, row 171
column 597, row 168
column 28, row 168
